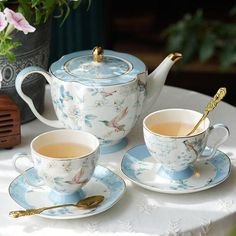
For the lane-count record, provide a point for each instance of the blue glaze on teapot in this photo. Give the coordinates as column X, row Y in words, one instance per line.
column 114, row 69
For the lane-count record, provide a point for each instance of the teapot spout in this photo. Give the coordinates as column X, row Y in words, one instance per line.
column 157, row 78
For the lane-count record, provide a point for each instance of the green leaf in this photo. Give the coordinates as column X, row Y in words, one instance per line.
column 175, row 42
column 198, row 17
column 189, row 47
column 35, row 3
column 10, row 56
column 2, row 7
column 49, row 6
column 25, row 9
column 76, row 4
column 232, row 232
column 207, row 47
column 66, row 14
column 227, row 55
column 79, row 2
column 89, row 4
column 233, row 11
column 38, row 16
column 6, row 45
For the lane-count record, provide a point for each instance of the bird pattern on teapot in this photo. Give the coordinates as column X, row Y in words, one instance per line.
column 104, row 111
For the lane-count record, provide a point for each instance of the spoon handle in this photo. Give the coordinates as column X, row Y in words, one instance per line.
column 210, row 106
column 216, row 99
column 29, row 212
column 86, row 203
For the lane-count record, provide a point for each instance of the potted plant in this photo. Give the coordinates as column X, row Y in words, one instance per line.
column 204, row 39
column 25, row 27
column 209, row 48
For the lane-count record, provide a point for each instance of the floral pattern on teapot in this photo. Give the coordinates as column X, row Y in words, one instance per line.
column 107, row 112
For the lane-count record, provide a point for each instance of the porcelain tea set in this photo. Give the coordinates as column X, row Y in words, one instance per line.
column 100, row 94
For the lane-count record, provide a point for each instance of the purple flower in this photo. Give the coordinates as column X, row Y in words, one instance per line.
column 3, row 22
column 18, row 21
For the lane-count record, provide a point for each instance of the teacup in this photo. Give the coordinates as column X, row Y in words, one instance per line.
column 65, row 161
column 165, row 135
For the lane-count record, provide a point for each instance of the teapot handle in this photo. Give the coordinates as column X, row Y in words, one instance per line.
column 19, row 80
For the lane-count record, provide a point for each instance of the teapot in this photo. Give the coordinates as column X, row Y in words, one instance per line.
column 101, row 91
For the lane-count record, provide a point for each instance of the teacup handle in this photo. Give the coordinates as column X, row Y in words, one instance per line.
column 18, row 83
column 218, row 142
column 19, row 170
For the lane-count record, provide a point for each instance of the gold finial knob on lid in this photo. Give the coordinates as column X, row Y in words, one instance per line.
column 97, row 54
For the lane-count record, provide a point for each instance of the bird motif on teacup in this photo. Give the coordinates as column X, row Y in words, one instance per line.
column 107, row 94
column 79, row 178
column 114, row 123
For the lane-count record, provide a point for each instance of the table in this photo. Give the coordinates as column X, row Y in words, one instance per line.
column 140, row 211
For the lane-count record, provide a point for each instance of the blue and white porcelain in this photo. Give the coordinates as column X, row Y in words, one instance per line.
column 65, row 175
column 103, row 94
column 103, row 182
column 177, row 154
column 141, row 168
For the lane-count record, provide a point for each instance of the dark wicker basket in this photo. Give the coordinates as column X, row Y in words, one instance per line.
column 9, row 123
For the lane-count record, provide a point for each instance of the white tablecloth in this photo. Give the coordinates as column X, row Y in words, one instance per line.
column 140, row 211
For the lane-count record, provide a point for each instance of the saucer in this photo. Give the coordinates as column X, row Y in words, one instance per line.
column 142, row 169
column 103, row 182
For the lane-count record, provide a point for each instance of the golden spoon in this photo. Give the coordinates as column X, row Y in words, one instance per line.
column 86, row 203
column 210, row 106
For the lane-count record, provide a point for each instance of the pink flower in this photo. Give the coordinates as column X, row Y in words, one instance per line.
column 3, row 22
column 18, row 20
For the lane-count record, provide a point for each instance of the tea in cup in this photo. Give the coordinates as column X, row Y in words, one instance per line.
column 65, row 161
column 165, row 135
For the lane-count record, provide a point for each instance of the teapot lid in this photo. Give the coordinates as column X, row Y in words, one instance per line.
column 104, row 69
